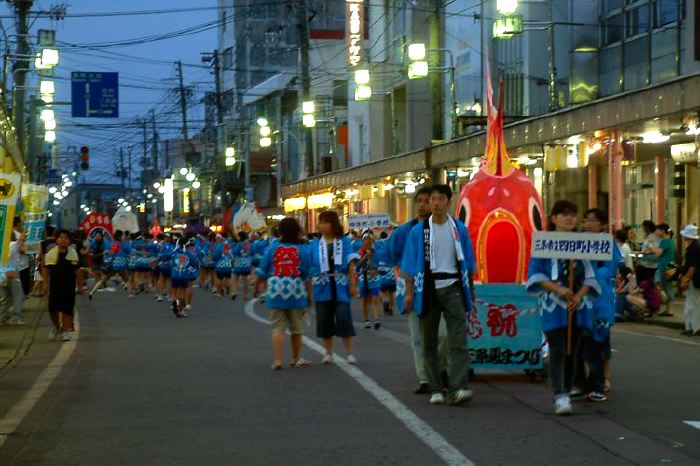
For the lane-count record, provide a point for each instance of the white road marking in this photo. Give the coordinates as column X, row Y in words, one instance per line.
column 695, row 424
column 436, row 442
column 18, row 412
column 660, row 337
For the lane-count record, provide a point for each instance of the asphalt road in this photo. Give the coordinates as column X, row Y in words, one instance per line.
column 144, row 388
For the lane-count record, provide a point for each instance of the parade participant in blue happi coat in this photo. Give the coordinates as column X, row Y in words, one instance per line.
column 438, row 264
column 184, row 270
column 594, row 349
column 334, row 282
column 242, row 263
column 549, row 280
column 284, row 269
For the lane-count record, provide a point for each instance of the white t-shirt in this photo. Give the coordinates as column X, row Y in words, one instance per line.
column 445, row 253
column 626, row 252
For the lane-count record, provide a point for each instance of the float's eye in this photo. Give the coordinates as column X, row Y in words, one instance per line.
column 535, row 214
column 463, row 211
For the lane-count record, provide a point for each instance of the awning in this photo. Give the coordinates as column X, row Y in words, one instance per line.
column 271, row 85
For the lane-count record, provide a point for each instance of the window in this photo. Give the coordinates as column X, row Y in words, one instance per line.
column 227, row 58
column 227, row 101
column 612, row 29
column 611, row 5
column 637, row 21
column 666, row 12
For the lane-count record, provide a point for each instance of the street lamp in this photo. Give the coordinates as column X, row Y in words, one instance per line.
column 190, row 176
column 230, row 159
column 363, row 91
column 156, row 185
column 184, row 171
column 418, row 68
column 50, row 137
column 308, row 119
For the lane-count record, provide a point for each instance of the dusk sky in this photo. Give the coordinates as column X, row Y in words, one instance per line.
column 146, row 70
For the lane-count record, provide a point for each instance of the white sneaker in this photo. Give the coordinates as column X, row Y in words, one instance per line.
column 562, row 405
column 16, row 320
column 351, row 359
column 65, row 336
column 437, row 398
column 462, row 396
column 188, row 307
column 327, row 359
column 53, row 333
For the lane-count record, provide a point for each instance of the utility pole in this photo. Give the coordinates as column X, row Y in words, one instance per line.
column 145, row 149
column 306, row 83
column 121, row 166
column 183, row 101
column 217, row 83
column 154, row 147
column 20, row 68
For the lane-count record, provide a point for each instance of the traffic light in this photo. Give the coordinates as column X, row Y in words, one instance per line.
column 84, row 158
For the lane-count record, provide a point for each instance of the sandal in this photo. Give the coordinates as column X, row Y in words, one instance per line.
column 277, row 367
column 301, row 362
column 666, row 314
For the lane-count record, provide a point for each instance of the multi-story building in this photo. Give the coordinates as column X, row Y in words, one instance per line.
column 600, row 95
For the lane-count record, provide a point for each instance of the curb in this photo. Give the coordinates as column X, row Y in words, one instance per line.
column 35, row 307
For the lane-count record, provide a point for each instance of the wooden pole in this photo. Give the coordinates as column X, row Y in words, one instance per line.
column 570, row 313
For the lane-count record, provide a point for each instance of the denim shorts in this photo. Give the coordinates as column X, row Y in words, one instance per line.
column 334, row 319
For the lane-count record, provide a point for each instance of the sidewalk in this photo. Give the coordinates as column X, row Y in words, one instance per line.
column 676, row 321
column 16, row 340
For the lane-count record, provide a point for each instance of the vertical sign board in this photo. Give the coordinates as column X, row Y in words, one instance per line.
column 35, row 201
column 94, row 94
column 506, row 331
column 355, row 25
column 10, row 185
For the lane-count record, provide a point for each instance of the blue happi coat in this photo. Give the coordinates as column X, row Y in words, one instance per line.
column 413, row 263
column 258, row 249
column 395, row 250
column 286, row 268
column 223, row 257
column 603, row 315
column 552, row 306
column 185, row 264
column 242, row 257
column 165, row 254
column 385, row 264
column 321, row 281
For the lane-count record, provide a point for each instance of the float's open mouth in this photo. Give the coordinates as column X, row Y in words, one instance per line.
column 503, row 254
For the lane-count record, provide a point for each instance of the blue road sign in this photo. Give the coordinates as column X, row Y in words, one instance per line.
column 95, row 94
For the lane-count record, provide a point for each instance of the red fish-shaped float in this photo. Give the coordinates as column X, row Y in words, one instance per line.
column 501, row 208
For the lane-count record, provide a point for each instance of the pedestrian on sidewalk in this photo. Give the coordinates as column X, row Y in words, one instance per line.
column 649, row 262
column 369, row 281
column 284, row 269
column 439, row 266
column 548, row 279
column 61, row 266
column 19, row 260
column 25, row 273
column 334, row 282
column 690, row 280
column 666, row 253
column 7, row 311
column 622, row 240
column 396, row 248
column 594, row 353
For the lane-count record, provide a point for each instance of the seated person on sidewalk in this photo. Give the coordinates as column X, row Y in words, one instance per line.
column 625, row 282
column 645, row 298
